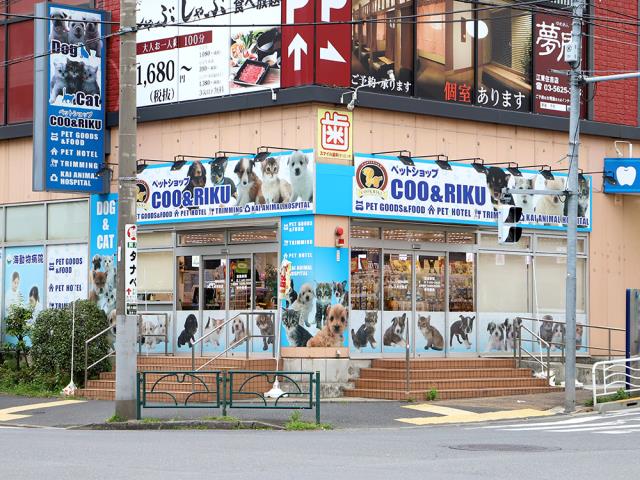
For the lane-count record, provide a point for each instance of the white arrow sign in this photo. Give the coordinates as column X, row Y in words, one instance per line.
column 330, row 53
column 296, row 47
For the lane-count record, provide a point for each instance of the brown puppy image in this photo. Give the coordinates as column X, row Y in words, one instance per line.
column 331, row 333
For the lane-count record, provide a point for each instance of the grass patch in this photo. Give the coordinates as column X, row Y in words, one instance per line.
column 115, row 418
column 152, row 420
column 296, row 423
column 431, row 395
column 26, row 383
column 621, row 394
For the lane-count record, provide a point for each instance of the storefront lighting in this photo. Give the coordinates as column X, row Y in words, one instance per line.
column 441, row 160
column 403, row 155
column 546, row 172
column 104, row 170
column 608, row 178
column 483, row 29
column 224, row 154
column 514, row 170
column 178, row 163
column 141, row 166
column 478, row 166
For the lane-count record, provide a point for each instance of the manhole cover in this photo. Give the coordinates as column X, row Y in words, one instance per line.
column 502, row 447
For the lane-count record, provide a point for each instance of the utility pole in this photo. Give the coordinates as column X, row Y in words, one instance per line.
column 126, row 360
column 573, row 55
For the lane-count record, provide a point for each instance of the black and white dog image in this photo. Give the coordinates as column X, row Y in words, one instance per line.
column 92, row 39
column 59, row 29
column 197, row 176
column 524, row 200
column 496, row 337
column 341, row 293
column 238, row 331
column 304, row 303
column 510, row 332
column 301, row 177
column 497, row 179
column 394, row 335
column 323, row 300
column 460, row 329
column 76, row 31
column 187, row 336
column 274, row 188
column 297, row 335
column 218, row 179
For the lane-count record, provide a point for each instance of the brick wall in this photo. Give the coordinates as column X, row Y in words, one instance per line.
column 113, row 54
column 616, row 102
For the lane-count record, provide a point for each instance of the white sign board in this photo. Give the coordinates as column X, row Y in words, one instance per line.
column 131, row 269
column 66, row 274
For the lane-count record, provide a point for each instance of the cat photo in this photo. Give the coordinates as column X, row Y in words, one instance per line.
column 366, row 333
column 433, row 338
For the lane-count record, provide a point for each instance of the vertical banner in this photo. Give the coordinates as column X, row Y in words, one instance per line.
column 66, row 274
column 131, row 269
column 69, row 108
column 333, row 43
column 23, row 278
column 298, row 42
column 335, row 135
column 102, row 252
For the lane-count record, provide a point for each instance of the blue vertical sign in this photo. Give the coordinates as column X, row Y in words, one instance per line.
column 102, row 251
column 70, row 101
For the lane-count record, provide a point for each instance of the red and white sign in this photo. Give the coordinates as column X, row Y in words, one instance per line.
column 335, row 134
column 131, row 267
column 297, row 42
column 333, row 43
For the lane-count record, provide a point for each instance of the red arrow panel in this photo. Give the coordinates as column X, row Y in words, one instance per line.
column 333, row 43
column 297, row 43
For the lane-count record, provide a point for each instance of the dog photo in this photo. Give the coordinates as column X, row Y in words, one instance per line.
column 395, row 326
column 301, row 177
column 498, row 179
column 188, row 333
column 331, row 334
column 152, row 331
column 552, row 205
column 461, row 332
column 526, row 201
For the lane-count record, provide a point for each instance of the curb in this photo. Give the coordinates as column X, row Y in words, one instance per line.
column 181, row 425
column 618, row 405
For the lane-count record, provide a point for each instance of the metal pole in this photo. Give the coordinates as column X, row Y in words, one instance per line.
column 126, row 325
column 407, row 365
column 572, row 210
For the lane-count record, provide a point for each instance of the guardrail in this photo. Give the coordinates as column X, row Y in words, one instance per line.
column 227, row 389
column 616, row 374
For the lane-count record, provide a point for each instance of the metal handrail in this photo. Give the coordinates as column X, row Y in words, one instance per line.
column 589, row 347
column 545, row 368
column 112, row 352
column 628, row 376
column 247, row 338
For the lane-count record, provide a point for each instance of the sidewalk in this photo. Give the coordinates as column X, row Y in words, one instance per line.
column 347, row 413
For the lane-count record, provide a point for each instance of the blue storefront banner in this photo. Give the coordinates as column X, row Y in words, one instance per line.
column 380, row 186
column 102, row 251
column 319, row 280
column 70, row 148
column 626, row 172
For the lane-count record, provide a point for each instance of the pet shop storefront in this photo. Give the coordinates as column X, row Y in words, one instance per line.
column 425, row 261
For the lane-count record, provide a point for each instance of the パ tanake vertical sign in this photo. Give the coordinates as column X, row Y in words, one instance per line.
column 69, row 99
column 131, row 269
column 333, row 42
column 297, row 42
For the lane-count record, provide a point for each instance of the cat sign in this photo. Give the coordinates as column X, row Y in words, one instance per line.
column 69, row 109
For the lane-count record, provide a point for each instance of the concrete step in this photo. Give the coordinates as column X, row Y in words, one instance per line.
column 443, row 363
column 256, row 384
column 441, row 384
column 450, row 394
column 444, row 373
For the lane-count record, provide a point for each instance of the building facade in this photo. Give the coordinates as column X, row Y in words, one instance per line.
column 408, row 248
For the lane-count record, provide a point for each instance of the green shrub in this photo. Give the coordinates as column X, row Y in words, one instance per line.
column 19, row 328
column 51, row 339
column 431, row 395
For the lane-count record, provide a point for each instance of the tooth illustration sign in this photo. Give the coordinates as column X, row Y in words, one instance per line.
column 626, row 175
column 333, row 40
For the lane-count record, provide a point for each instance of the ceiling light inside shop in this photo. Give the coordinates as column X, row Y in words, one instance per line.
column 483, row 29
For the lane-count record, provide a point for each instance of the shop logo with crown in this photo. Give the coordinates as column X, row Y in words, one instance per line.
column 372, row 179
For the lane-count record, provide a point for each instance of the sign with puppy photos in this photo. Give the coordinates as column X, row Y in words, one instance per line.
column 69, row 107
column 385, row 188
column 228, row 188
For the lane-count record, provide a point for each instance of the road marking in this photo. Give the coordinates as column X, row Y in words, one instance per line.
column 15, row 413
column 454, row 415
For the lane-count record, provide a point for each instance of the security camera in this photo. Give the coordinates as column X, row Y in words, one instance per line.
column 352, row 104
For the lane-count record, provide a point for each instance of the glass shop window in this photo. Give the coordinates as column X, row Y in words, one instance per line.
column 266, row 280
column 25, row 222
column 365, row 279
column 154, row 240
column 155, row 278
column 68, row 220
column 550, row 283
column 461, row 282
column 188, row 281
column 503, row 285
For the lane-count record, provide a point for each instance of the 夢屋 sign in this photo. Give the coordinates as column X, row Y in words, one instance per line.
column 69, row 106
column 227, row 188
column 384, row 187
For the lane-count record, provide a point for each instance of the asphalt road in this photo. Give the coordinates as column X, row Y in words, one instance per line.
column 516, row 450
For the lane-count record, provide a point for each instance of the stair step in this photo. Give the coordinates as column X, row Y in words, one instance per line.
column 256, row 385
column 450, row 394
column 444, row 373
column 441, row 384
column 444, row 363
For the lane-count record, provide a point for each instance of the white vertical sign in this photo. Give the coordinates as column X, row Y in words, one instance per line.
column 66, row 274
column 131, row 269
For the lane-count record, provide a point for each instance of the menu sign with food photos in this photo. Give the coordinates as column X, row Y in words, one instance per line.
column 195, row 49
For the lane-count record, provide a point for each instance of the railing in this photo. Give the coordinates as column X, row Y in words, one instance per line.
column 561, row 345
column 546, row 367
column 111, row 353
column 616, row 374
column 164, row 336
column 246, row 339
column 228, row 389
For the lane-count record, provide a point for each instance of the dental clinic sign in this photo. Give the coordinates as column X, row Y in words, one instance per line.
column 69, row 107
column 384, row 187
column 626, row 172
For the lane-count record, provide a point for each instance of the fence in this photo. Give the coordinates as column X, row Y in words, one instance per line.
column 623, row 373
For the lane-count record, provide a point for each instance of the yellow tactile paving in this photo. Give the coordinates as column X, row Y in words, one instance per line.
column 454, row 415
column 14, row 413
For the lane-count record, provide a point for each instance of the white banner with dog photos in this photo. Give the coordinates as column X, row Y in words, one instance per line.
column 66, row 274
column 227, row 188
column 385, row 187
